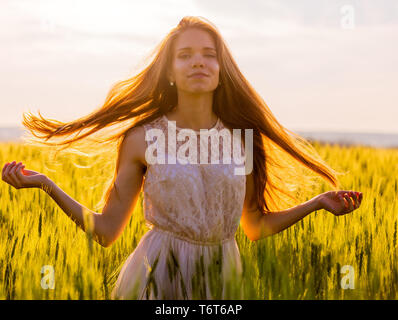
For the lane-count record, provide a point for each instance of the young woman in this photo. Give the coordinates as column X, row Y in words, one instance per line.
column 193, row 210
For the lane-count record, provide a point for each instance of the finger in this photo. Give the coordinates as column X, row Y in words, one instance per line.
column 4, row 169
column 358, row 198
column 12, row 171
column 350, row 202
column 10, row 180
column 342, row 200
column 354, row 197
column 9, row 167
column 13, row 177
column 345, row 202
column 4, row 177
column 357, row 203
column 16, row 168
column 18, row 175
column 344, row 192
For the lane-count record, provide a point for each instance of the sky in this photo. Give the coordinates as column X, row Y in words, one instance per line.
column 319, row 65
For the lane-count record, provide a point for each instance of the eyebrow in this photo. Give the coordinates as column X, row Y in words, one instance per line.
column 189, row 48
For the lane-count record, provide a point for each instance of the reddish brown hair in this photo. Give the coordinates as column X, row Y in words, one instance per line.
column 278, row 154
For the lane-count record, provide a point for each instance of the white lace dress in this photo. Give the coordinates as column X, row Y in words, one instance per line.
column 193, row 211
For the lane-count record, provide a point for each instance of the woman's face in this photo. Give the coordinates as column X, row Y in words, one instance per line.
column 195, row 51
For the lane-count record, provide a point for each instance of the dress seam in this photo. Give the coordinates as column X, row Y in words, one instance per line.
column 175, row 235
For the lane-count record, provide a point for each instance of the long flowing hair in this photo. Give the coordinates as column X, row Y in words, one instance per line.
column 280, row 156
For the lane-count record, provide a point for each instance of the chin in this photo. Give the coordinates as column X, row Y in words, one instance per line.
column 200, row 89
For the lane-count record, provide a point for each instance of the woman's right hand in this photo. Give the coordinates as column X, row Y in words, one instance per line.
column 15, row 175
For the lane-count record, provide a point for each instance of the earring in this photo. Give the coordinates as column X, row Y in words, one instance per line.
column 171, row 83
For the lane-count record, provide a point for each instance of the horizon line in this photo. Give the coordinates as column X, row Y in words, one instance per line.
column 318, row 130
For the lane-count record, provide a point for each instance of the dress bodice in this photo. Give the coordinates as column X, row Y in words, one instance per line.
column 196, row 201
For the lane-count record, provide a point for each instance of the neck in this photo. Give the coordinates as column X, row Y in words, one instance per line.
column 194, row 111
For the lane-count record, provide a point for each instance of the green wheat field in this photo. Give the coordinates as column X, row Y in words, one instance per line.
column 301, row 262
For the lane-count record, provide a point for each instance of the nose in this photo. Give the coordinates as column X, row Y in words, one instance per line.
column 198, row 61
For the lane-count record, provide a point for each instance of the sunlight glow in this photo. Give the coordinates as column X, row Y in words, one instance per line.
column 103, row 16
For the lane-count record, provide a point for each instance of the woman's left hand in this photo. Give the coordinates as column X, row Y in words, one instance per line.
column 340, row 202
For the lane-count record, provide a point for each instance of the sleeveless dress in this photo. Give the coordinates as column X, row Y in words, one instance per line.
column 193, row 211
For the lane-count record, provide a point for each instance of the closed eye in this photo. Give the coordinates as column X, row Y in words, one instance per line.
column 206, row 55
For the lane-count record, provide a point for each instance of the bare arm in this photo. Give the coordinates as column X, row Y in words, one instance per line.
column 106, row 227
column 74, row 209
column 118, row 209
column 258, row 226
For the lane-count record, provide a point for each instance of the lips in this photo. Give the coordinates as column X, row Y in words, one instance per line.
column 198, row 74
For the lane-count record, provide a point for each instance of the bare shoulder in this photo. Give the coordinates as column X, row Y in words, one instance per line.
column 135, row 144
